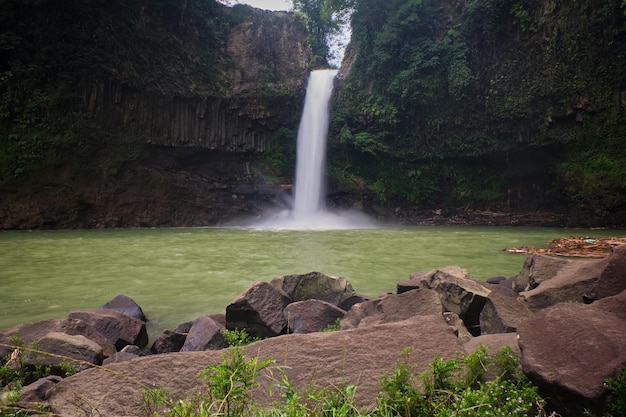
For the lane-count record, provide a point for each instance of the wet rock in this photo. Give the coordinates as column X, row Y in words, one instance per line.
column 310, row 316
column 315, row 285
column 205, row 334
column 393, row 307
column 258, row 310
column 570, row 349
column 118, row 328
column 612, row 280
column 125, row 305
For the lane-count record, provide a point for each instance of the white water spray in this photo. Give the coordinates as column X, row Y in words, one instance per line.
column 309, row 208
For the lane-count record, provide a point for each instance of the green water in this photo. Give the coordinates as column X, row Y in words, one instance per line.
column 178, row 274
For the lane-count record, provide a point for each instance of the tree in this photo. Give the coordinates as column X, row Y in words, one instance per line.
column 324, row 19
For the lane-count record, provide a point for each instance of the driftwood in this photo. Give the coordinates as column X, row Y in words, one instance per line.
column 579, row 247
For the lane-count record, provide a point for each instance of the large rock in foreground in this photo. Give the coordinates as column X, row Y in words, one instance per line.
column 359, row 356
column 570, row 349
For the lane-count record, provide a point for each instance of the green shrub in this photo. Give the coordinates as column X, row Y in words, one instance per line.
column 617, row 393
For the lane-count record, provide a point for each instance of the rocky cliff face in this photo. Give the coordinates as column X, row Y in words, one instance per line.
column 262, row 80
column 155, row 115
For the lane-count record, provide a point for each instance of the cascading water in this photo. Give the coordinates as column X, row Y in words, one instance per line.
column 309, row 208
column 312, row 146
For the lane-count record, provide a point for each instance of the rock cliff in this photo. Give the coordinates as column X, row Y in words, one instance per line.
column 137, row 114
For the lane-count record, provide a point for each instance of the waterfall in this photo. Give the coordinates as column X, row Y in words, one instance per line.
column 309, row 208
column 309, row 189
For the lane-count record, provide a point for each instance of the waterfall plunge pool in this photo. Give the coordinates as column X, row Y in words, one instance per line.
column 176, row 275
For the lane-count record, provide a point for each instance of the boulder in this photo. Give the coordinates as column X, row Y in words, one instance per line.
column 359, row 356
column 205, row 333
column 118, row 328
column 37, row 392
column 310, row 316
column 125, row 305
column 129, row 353
column 459, row 294
column 31, row 332
column 57, row 348
column 495, row 343
column 612, row 280
column 347, row 304
column 315, row 285
column 570, row 349
column 536, row 269
column 502, row 311
column 258, row 310
column 414, row 281
column 568, row 285
column 185, row 327
column 393, row 307
column 169, row 341
column 455, row 322
column 614, row 305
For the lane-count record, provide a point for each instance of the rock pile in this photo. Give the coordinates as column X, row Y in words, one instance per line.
column 565, row 318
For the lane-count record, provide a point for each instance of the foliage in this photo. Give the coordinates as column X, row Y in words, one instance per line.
column 238, row 337
column 459, row 388
column 228, row 389
column 452, row 92
column 324, row 19
column 617, row 393
column 336, row 326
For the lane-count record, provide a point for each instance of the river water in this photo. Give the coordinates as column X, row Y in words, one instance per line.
column 176, row 275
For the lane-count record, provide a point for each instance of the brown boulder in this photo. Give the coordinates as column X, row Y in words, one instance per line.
column 536, row 269
column 568, row 285
column 125, row 305
column 414, row 282
column 205, row 333
column 37, row 392
column 129, row 353
column 310, row 316
column 570, row 349
column 315, row 285
column 393, row 307
column 502, row 312
column 359, row 356
column 612, row 280
column 258, row 310
column 169, row 341
column 459, row 294
column 31, row 332
column 57, row 348
column 118, row 328
column 495, row 343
